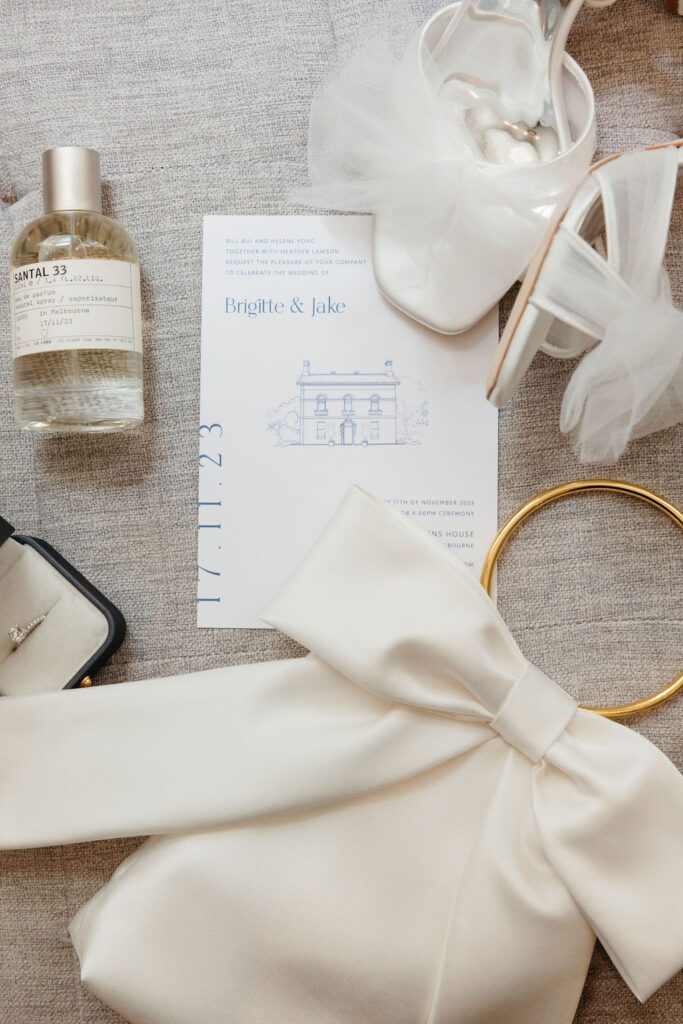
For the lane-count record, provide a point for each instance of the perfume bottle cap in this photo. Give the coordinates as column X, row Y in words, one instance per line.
column 71, row 179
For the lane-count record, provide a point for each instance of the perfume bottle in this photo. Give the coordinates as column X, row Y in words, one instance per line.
column 75, row 307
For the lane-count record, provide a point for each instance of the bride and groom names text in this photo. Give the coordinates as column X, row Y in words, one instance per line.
column 310, row 307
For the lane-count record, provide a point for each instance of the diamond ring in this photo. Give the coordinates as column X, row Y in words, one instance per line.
column 18, row 634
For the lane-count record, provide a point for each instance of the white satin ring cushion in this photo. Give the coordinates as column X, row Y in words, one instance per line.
column 412, row 825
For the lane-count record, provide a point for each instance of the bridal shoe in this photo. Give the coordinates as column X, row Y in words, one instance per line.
column 463, row 141
column 573, row 299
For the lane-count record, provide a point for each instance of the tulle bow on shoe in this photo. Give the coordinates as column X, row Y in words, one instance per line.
column 631, row 383
column 388, row 136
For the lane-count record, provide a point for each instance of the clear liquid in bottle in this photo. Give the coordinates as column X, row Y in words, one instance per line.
column 76, row 308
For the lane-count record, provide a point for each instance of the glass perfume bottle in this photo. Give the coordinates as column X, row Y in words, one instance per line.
column 75, row 307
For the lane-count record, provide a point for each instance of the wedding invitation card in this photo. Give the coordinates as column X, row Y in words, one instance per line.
column 310, row 382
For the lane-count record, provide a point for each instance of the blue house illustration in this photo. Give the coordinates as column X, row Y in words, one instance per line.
column 347, row 408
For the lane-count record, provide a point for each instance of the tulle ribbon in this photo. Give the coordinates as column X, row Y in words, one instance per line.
column 387, row 136
column 631, row 383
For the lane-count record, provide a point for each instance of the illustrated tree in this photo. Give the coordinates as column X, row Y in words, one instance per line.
column 412, row 411
column 284, row 422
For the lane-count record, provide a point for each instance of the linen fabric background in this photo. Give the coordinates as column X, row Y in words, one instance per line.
column 202, row 108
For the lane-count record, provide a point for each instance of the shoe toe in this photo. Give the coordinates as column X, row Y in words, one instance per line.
column 449, row 296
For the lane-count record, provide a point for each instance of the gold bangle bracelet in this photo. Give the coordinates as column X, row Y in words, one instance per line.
column 579, row 487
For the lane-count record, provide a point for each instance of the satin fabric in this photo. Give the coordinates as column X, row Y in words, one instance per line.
column 412, row 825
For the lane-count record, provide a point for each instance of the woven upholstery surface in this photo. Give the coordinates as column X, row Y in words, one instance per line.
column 202, row 108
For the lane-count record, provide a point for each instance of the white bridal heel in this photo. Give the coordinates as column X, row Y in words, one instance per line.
column 619, row 305
column 463, row 141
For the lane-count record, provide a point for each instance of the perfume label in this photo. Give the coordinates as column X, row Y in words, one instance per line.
column 76, row 304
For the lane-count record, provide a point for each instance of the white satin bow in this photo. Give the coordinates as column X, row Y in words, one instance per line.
column 631, row 383
column 412, row 824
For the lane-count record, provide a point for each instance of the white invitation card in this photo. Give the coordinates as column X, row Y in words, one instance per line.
column 310, row 382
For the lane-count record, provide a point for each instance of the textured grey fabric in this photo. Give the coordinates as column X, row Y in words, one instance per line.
column 202, row 108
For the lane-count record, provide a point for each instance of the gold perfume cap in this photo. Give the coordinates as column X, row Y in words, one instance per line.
column 71, row 179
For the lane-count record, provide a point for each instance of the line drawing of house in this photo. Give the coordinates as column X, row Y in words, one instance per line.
column 347, row 408
column 359, row 408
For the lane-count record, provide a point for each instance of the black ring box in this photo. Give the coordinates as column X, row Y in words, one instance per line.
column 115, row 622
